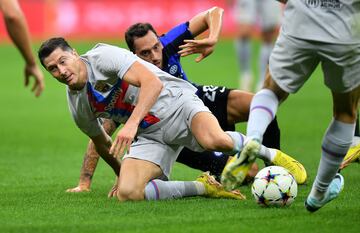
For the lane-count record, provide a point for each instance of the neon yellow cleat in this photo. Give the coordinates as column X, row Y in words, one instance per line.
column 215, row 190
column 353, row 155
column 292, row 165
column 237, row 168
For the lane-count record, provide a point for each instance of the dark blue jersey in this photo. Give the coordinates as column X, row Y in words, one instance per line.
column 171, row 42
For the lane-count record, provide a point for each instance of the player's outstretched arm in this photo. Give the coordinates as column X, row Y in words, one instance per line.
column 87, row 171
column 18, row 31
column 91, row 159
column 208, row 20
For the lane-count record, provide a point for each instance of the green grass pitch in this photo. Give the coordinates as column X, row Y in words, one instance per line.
column 41, row 151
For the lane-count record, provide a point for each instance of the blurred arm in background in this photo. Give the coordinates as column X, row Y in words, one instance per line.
column 18, row 31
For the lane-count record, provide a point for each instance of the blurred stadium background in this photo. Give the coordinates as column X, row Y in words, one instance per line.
column 84, row 19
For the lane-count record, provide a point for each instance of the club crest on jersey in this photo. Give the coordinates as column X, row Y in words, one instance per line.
column 102, row 86
column 173, row 69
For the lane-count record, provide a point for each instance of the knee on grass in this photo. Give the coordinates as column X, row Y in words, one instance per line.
column 130, row 194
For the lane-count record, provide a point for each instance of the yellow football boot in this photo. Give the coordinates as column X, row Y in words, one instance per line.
column 215, row 190
column 353, row 155
column 292, row 165
column 237, row 168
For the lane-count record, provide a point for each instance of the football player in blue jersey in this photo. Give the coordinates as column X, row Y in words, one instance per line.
column 228, row 105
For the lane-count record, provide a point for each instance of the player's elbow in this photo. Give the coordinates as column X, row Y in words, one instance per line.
column 217, row 9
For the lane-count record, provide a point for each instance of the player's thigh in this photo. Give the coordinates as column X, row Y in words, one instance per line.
column 238, row 106
column 216, row 98
column 341, row 66
column 292, row 62
column 207, row 131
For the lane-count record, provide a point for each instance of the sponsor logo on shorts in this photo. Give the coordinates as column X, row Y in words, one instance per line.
column 327, row 4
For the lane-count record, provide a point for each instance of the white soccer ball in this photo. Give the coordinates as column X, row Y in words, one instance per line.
column 274, row 186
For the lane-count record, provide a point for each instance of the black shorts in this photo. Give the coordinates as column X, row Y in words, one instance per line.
column 216, row 98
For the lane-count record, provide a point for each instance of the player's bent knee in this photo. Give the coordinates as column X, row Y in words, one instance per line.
column 126, row 194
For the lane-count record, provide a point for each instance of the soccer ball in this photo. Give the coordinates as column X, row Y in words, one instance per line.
column 274, row 186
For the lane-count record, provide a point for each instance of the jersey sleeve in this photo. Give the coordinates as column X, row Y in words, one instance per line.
column 176, row 36
column 111, row 61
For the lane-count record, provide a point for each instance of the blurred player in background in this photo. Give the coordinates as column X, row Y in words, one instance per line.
column 250, row 15
column 229, row 106
column 313, row 32
column 16, row 26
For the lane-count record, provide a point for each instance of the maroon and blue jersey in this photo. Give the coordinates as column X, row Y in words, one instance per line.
column 113, row 105
column 108, row 95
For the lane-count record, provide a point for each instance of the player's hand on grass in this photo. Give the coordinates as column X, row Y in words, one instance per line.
column 32, row 70
column 204, row 47
column 78, row 189
column 123, row 140
column 113, row 190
